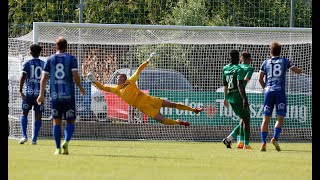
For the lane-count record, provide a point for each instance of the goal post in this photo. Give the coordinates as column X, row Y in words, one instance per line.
column 187, row 70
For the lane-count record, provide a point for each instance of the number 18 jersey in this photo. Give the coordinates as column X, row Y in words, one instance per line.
column 275, row 70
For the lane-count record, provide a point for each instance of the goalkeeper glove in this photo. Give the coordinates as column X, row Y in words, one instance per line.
column 91, row 77
column 151, row 56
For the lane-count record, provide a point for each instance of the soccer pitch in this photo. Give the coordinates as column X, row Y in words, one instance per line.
column 154, row 160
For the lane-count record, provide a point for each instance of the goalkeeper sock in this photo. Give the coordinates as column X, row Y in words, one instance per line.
column 24, row 123
column 57, row 135
column 276, row 133
column 37, row 125
column 168, row 121
column 184, row 107
column 68, row 131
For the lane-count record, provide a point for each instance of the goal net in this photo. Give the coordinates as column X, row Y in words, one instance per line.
column 187, row 70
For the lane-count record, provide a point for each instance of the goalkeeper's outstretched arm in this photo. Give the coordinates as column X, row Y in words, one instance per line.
column 142, row 66
column 97, row 84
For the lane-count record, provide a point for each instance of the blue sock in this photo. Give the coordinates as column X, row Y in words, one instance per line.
column 264, row 137
column 276, row 133
column 24, row 123
column 68, row 131
column 37, row 125
column 57, row 135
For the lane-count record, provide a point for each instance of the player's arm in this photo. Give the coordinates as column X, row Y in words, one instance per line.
column 77, row 80
column 97, row 84
column 225, row 91
column 262, row 74
column 296, row 69
column 105, row 87
column 23, row 77
column 261, row 79
column 43, row 82
column 135, row 76
column 75, row 75
column 22, row 80
column 241, row 88
column 248, row 75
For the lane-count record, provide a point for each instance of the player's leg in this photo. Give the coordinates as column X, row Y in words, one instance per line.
column 68, row 131
column 264, row 132
column 167, row 121
column 38, row 122
column 277, row 131
column 180, row 106
column 23, row 125
column 70, row 127
column 26, row 107
column 37, row 126
column 268, row 106
column 246, row 133
column 235, row 132
column 56, row 112
column 244, row 114
column 228, row 140
column 237, row 108
column 57, row 123
column 240, row 137
column 281, row 113
column 151, row 106
column 278, row 127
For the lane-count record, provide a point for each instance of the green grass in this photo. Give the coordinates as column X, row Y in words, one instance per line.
column 166, row 160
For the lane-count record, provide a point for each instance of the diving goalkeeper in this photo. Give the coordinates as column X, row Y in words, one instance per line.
column 128, row 91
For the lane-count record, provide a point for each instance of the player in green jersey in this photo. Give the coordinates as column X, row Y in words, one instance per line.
column 234, row 94
column 245, row 60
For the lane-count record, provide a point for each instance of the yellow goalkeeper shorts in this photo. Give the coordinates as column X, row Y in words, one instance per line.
column 149, row 105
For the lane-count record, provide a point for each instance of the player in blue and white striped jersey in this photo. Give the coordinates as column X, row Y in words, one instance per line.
column 62, row 69
column 30, row 82
column 272, row 77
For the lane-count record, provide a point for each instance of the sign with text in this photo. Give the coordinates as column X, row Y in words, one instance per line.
column 299, row 108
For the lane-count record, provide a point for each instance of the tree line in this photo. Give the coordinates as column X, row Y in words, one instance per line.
column 242, row 13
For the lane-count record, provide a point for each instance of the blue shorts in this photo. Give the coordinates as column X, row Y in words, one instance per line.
column 30, row 102
column 66, row 109
column 275, row 98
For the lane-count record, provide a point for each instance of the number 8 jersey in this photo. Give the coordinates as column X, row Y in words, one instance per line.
column 59, row 67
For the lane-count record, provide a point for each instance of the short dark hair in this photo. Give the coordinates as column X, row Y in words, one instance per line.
column 61, row 43
column 234, row 56
column 122, row 75
column 246, row 55
column 35, row 50
column 275, row 49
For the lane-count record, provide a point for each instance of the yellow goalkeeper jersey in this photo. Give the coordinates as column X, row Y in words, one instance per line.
column 129, row 90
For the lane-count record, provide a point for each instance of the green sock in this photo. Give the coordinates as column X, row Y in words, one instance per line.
column 235, row 131
column 241, row 133
column 246, row 137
